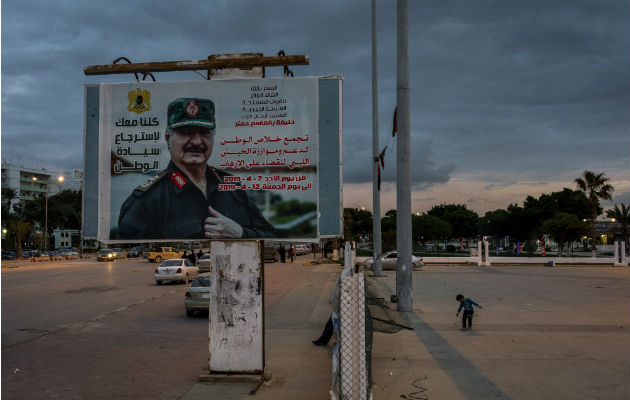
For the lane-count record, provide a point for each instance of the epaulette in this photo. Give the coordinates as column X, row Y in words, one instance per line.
column 148, row 184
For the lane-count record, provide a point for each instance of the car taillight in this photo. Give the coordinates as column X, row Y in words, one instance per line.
column 156, row 271
column 179, row 270
column 188, row 294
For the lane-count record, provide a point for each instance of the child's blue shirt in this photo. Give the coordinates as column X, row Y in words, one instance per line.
column 467, row 305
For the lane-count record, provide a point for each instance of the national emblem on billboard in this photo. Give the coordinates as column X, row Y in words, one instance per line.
column 139, row 101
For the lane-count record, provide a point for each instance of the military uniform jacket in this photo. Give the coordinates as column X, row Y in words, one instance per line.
column 171, row 206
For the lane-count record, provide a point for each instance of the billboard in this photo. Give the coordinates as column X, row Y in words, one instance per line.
column 227, row 159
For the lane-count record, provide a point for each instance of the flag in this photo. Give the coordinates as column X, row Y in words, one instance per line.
column 395, row 125
column 380, row 163
column 381, row 157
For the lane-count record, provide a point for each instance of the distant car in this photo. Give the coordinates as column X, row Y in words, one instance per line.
column 120, row 253
column 388, row 261
column 203, row 263
column 137, row 251
column 175, row 269
column 30, row 253
column 270, row 254
column 105, row 255
column 8, row 255
column 198, row 295
column 301, row 249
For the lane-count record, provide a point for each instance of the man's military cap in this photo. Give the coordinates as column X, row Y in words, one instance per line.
column 191, row 111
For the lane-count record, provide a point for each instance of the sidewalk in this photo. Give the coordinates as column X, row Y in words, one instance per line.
column 300, row 370
column 528, row 341
column 293, row 318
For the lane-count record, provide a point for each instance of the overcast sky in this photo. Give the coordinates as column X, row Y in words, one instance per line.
column 508, row 98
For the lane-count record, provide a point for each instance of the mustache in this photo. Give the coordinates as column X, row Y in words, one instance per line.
column 195, row 148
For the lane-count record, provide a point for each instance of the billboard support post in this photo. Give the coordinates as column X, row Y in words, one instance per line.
column 236, row 323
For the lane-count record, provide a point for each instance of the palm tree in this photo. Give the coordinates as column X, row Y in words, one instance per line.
column 621, row 215
column 20, row 230
column 595, row 188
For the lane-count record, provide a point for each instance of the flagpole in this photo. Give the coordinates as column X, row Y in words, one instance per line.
column 376, row 194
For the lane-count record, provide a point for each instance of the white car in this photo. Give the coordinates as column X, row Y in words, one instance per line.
column 388, row 261
column 198, row 295
column 175, row 269
column 301, row 249
column 203, row 263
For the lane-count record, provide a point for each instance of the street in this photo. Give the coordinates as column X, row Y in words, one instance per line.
column 42, row 298
column 83, row 329
column 65, row 330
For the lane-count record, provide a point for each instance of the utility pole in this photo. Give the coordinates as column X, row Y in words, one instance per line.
column 376, row 194
column 404, row 267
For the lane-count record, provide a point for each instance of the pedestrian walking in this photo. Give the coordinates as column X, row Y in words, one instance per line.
column 467, row 305
column 291, row 252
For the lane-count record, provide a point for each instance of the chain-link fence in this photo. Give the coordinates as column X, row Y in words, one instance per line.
column 355, row 340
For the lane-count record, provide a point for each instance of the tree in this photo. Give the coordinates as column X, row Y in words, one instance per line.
column 356, row 223
column 64, row 210
column 462, row 220
column 564, row 228
column 20, row 230
column 494, row 223
column 8, row 195
column 621, row 215
column 388, row 230
column 427, row 227
column 595, row 188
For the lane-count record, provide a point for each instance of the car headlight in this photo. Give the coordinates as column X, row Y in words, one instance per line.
column 110, row 255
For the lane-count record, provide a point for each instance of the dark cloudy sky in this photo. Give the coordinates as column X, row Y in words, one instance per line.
column 508, row 98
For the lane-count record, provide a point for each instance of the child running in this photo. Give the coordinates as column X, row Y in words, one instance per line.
column 467, row 305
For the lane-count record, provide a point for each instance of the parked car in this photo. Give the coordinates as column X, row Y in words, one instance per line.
column 105, row 255
column 198, row 295
column 301, row 249
column 119, row 253
column 203, row 263
column 388, row 261
column 175, row 269
column 137, row 251
column 8, row 255
column 30, row 253
column 270, row 254
column 68, row 254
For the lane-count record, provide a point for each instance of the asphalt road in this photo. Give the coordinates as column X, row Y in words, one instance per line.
column 97, row 330
column 42, row 298
column 87, row 330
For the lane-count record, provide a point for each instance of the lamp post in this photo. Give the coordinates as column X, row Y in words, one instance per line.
column 59, row 179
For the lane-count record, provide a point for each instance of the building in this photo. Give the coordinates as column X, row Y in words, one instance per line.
column 66, row 238
column 30, row 183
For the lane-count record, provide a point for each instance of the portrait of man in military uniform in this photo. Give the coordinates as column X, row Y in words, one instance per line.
column 184, row 200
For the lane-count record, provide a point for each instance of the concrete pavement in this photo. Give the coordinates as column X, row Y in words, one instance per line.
column 544, row 333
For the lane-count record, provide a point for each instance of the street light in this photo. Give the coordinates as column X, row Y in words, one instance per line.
column 59, row 179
